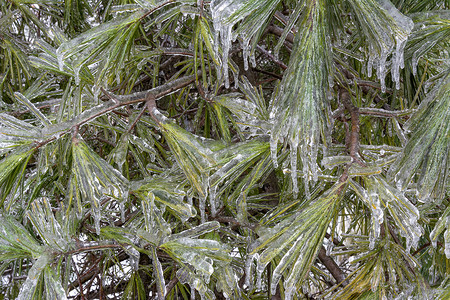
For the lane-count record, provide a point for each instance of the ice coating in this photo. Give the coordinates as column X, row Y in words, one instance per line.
column 377, row 219
column 28, row 288
column 248, row 270
column 96, row 179
column 447, row 239
column 47, row 226
column 299, row 109
column 221, row 11
column 398, row 206
column 388, row 35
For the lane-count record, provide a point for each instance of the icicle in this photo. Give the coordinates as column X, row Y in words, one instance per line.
column 192, row 293
column 76, row 70
column 294, row 148
column 60, row 57
column 122, row 211
column 134, row 257
column 118, row 76
column 259, row 270
column 95, row 91
column 221, row 10
column 397, row 61
column 397, row 36
column 381, row 70
column 274, row 151
column 253, row 59
column 226, row 44
column 289, row 292
column 434, row 243
column 236, row 79
column 246, row 52
column 97, row 217
column 447, row 239
column 377, row 219
column 202, row 207
column 248, row 270
column 212, row 199
column 330, row 85
column 370, row 61
column 305, row 163
column 189, row 196
column 313, row 165
column 28, row 288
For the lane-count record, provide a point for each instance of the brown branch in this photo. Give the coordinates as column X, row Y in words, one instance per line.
column 172, row 283
column 184, row 112
column 269, row 73
column 331, row 266
column 378, row 112
column 92, row 272
column 136, row 120
column 93, row 248
column 151, row 105
column 271, row 56
column 353, row 139
column 114, row 102
column 365, row 88
column 78, row 279
column 336, row 242
column 235, row 222
column 279, row 32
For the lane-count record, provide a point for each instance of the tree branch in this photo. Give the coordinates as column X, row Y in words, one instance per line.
column 115, row 101
column 378, row 112
column 331, row 266
column 353, row 141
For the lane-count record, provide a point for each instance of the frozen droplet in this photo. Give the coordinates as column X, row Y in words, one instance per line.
column 289, row 292
column 213, row 201
column 97, row 216
column 221, row 11
column 76, row 70
column 274, row 151
column 202, row 208
column 134, row 257
column 248, row 270
column 253, row 59
column 192, row 292
column 236, row 79
column 246, row 52
column 60, row 57
column 259, row 271
column 294, row 169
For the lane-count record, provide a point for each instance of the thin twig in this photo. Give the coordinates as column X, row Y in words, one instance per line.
column 273, row 58
column 78, row 278
column 136, row 120
column 235, row 222
column 378, row 112
column 353, row 141
column 172, row 283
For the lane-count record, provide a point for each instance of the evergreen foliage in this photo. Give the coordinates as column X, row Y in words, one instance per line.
column 224, row 149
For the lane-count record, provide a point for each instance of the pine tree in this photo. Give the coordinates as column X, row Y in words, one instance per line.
column 224, row 149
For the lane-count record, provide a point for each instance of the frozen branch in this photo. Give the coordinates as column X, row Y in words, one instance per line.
column 332, row 266
column 353, row 139
column 115, row 102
